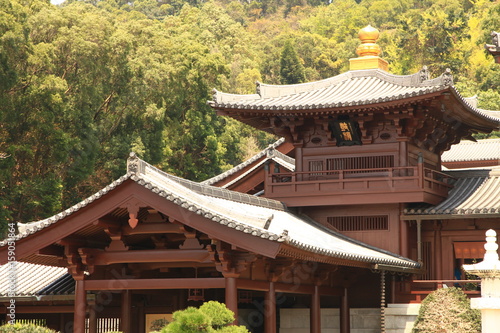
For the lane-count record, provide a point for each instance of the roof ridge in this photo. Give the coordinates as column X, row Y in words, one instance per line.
column 137, row 166
column 264, row 90
column 243, row 164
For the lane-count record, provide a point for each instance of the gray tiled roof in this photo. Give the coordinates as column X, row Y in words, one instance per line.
column 353, row 88
column 254, row 158
column 482, row 150
column 475, row 192
column 258, row 217
column 347, row 89
column 31, row 279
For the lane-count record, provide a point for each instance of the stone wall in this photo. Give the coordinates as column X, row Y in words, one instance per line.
column 399, row 319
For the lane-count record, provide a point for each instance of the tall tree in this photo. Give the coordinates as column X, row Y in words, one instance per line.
column 291, row 68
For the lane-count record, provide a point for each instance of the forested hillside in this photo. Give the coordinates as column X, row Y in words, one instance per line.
column 85, row 83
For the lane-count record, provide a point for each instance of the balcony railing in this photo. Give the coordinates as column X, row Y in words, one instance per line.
column 415, row 291
column 411, row 184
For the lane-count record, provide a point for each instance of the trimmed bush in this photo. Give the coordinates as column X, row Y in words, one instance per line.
column 210, row 317
column 24, row 328
column 447, row 310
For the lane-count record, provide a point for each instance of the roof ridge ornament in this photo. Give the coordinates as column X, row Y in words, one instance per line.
column 447, row 77
column 424, row 74
column 368, row 51
column 133, row 163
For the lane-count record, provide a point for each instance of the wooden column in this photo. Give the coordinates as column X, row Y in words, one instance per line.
column 62, row 323
column 270, row 309
column 92, row 319
column 80, row 307
column 403, row 238
column 141, row 318
column 232, row 297
column 126, row 311
column 345, row 322
column 315, row 311
column 298, row 159
column 438, row 253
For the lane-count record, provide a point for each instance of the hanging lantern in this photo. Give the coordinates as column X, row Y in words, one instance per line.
column 196, row 294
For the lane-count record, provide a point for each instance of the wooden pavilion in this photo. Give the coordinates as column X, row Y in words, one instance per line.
column 355, row 190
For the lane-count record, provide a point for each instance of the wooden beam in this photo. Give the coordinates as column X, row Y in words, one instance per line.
column 100, row 257
column 252, row 285
column 288, row 288
column 152, row 284
column 154, row 228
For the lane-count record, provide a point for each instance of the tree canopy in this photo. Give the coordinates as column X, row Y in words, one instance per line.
column 84, row 83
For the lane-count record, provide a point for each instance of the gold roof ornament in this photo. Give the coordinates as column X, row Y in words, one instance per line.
column 368, row 51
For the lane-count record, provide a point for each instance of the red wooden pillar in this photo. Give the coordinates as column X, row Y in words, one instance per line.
column 345, row 322
column 126, row 311
column 80, row 307
column 315, row 311
column 270, row 309
column 232, row 297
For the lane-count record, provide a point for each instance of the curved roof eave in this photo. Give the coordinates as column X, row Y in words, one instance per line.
column 354, row 90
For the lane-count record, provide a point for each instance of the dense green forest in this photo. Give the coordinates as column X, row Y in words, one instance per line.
column 84, row 83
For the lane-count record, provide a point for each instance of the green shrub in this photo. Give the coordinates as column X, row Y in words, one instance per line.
column 25, row 328
column 210, row 317
column 447, row 310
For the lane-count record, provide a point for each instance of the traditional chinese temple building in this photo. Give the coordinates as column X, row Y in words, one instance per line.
column 330, row 228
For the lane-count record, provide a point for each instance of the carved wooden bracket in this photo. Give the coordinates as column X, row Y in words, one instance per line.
column 414, row 123
column 227, row 261
column 73, row 259
column 322, row 275
column 116, row 236
column 364, row 122
column 87, row 257
column 133, row 211
column 276, row 268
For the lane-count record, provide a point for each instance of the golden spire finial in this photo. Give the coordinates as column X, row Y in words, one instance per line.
column 368, row 36
column 368, row 51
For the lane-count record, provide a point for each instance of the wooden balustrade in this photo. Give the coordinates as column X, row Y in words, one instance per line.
column 415, row 291
column 416, row 183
